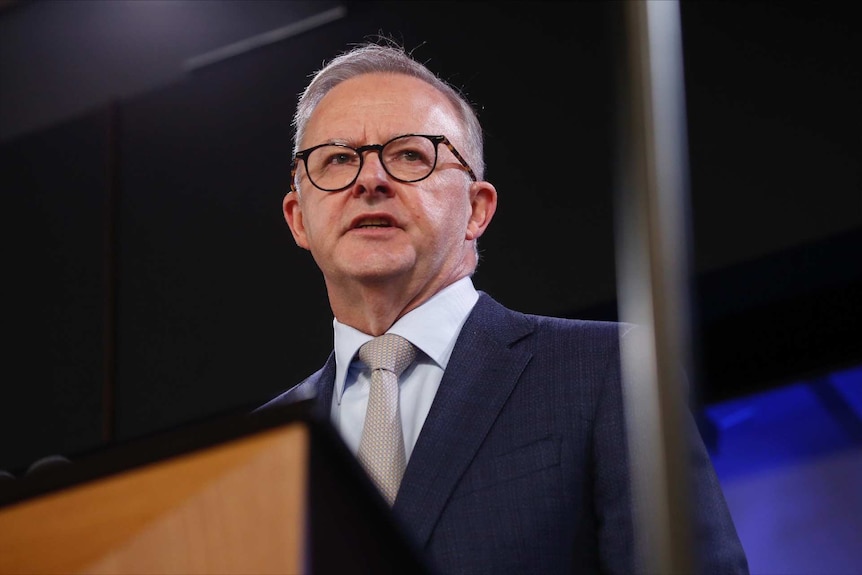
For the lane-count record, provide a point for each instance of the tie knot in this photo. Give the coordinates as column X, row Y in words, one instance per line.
column 388, row 351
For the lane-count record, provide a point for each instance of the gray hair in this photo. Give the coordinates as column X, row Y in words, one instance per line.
column 393, row 59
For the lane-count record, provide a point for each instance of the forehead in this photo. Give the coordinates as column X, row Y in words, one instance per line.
column 379, row 106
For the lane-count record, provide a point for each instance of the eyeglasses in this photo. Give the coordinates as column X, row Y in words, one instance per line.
column 408, row 158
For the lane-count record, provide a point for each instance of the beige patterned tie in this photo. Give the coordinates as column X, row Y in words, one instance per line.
column 381, row 449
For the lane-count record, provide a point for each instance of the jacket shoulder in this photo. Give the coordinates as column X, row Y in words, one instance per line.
column 309, row 388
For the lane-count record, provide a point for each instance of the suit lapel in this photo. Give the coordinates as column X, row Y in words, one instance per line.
column 318, row 386
column 325, row 385
column 481, row 374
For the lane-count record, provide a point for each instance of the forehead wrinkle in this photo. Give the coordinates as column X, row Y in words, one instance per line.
column 355, row 113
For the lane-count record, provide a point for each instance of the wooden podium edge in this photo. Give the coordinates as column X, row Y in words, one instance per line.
column 273, row 491
column 227, row 498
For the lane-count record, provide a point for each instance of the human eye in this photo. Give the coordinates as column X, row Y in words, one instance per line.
column 337, row 156
column 331, row 157
column 410, row 150
column 411, row 154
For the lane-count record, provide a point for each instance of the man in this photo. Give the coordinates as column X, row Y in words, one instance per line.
column 513, row 430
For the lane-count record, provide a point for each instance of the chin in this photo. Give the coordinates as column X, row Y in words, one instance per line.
column 378, row 268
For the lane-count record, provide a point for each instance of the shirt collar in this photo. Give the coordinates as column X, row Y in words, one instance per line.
column 432, row 327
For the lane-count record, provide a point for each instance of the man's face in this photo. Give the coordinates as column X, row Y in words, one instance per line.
column 419, row 232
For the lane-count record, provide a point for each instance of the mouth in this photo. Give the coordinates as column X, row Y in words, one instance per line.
column 372, row 222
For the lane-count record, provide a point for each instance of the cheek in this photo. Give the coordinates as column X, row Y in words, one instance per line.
column 320, row 219
column 447, row 219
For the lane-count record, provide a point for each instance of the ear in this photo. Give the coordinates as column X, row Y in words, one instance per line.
column 292, row 210
column 483, row 204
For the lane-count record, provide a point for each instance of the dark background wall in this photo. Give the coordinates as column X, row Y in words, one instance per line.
column 151, row 280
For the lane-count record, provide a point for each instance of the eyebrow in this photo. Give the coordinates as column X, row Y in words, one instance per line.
column 357, row 144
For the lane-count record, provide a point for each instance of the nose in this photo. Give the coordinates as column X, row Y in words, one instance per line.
column 372, row 176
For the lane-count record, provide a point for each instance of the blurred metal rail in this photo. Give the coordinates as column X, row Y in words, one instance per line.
column 652, row 254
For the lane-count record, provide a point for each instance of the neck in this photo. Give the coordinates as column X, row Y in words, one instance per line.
column 373, row 308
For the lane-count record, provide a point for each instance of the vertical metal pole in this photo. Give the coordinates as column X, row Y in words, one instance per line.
column 652, row 253
column 109, row 273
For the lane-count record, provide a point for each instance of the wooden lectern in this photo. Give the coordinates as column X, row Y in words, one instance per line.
column 271, row 492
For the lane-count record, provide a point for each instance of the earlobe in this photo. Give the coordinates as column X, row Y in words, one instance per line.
column 483, row 204
column 293, row 216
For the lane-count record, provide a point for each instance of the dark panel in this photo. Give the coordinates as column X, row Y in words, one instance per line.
column 54, row 190
column 218, row 308
column 778, row 319
column 773, row 320
column 774, row 122
column 58, row 59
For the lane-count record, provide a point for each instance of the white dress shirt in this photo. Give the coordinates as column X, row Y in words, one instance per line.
column 433, row 328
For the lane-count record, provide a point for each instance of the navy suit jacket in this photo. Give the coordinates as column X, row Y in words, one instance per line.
column 521, row 466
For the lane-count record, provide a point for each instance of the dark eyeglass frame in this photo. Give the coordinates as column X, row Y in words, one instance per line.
column 360, row 151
